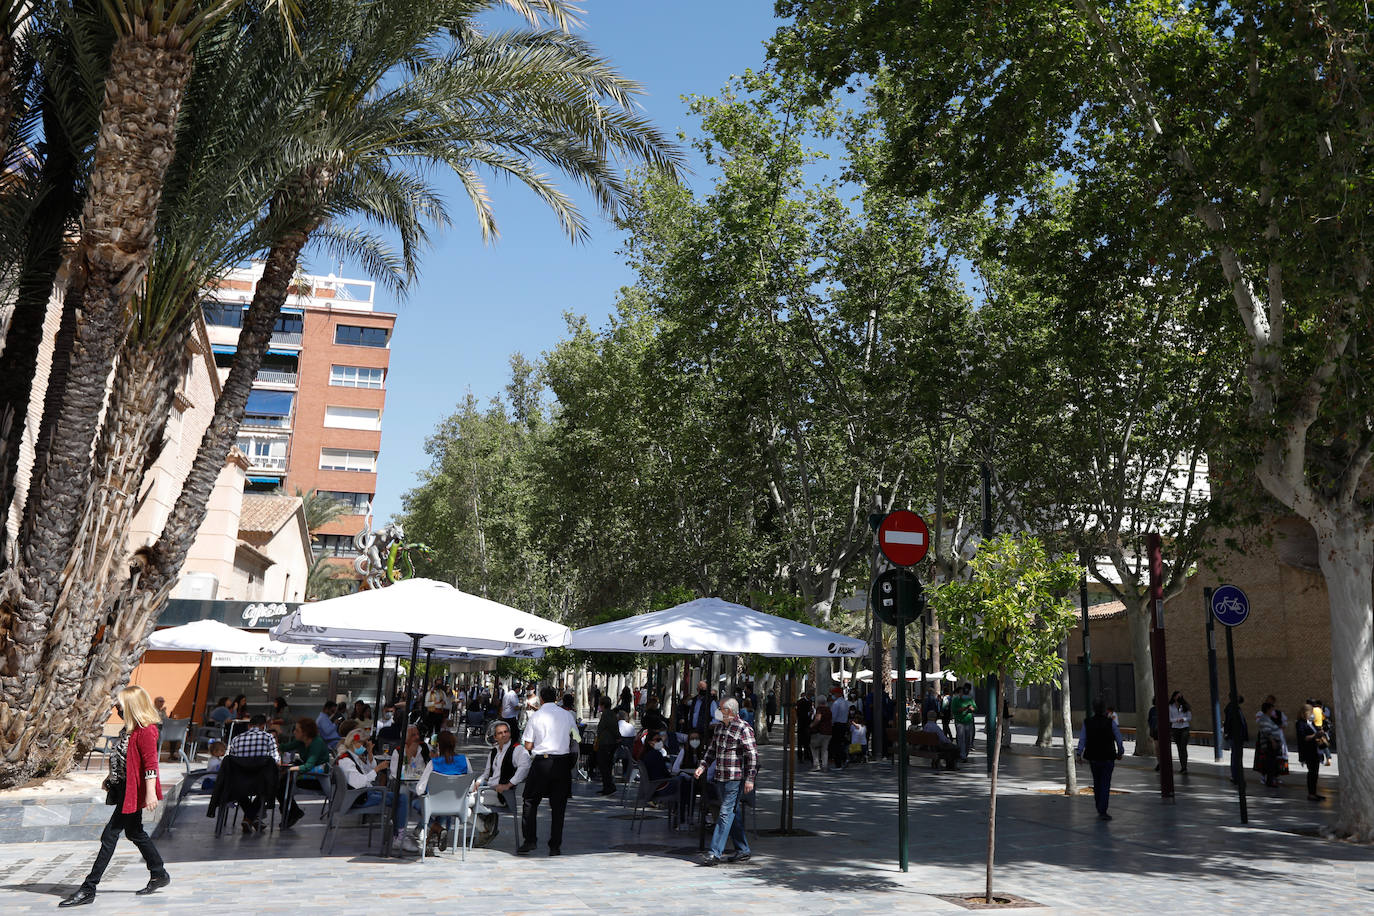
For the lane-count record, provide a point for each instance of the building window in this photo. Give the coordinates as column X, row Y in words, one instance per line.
column 264, row 451
column 356, row 376
column 347, row 459
column 335, row 545
column 352, row 503
column 223, row 314
column 268, row 408
column 353, row 418
column 354, row 336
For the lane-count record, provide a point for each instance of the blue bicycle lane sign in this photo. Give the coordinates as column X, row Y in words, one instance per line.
column 1230, row 606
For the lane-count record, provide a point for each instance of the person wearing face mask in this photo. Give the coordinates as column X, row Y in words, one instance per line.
column 683, row 764
column 704, row 710
column 655, row 760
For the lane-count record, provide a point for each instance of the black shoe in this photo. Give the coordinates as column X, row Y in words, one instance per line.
column 247, row 826
column 739, row 857
column 292, row 818
column 606, row 792
column 526, row 848
column 1104, row 816
column 154, row 883
column 709, row 861
column 82, row 897
column 555, row 850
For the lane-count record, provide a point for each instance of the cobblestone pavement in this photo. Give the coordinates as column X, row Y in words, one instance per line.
column 1190, row 856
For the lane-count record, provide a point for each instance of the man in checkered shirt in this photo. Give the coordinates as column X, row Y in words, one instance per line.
column 736, row 756
column 255, row 742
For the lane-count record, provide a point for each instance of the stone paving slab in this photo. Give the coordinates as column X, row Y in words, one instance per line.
column 1189, row 856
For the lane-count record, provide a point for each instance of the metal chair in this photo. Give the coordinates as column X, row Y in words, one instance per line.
column 341, row 805
column 445, row 796
column 624, row 754
column 474, row 723
column 174, row 730
column 648, row 792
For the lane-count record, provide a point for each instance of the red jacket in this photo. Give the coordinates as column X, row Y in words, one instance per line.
column 142, row 757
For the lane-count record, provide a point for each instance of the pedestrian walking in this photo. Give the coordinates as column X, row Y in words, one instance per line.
column 736, row 755
column 548, row 740
column 821, row 732
column 963, row 708
column 1099, row 743
column 1269, row 746
column 1238, row 734
column 132, row 787
column 770, row 709
column 1309, row 750
column 805, row 711
column 1180, row 727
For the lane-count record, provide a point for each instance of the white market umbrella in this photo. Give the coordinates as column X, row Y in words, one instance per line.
column 715, row 625
column 422, row 613
column 209, row 636
column 911, row 675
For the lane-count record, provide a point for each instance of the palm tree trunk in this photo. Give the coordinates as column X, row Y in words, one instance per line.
column 154, row 570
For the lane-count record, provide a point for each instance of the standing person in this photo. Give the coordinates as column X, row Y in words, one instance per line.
column 963, row 708
column 1268, row 745
column 702, row 712
column 132, row 787
column 822, row 728
column 1099, row 742
column 510, row 710
column 736, row 755
column 839, row 733
column 805, row 709
column 607, row 739
column 1238, row 734
column 770, row 709
column 1309, row 750
column 946, row 711
column 437, row 704
column 547, row 741
column 1180, row 725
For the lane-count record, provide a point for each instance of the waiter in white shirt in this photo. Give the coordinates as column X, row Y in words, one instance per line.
column 548, row 736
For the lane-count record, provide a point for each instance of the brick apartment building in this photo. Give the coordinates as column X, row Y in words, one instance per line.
column 314, row 418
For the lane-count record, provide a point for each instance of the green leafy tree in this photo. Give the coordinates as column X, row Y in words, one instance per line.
column 1009, row 619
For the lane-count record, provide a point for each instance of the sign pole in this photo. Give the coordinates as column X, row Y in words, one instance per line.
column 1212, row 673
column 902, row 853
column 1237, row 747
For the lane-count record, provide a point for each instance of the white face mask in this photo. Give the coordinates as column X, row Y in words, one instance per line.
column 658, row 745
column 695, row 742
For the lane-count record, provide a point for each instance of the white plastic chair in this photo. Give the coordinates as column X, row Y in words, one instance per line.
column 445, row 796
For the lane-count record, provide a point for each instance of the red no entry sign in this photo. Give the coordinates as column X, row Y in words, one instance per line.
column 904, row 538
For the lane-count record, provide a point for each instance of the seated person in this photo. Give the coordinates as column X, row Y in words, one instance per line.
column 507, row 766
column 390, row 730
column 948, row 750
column 446, row 762
column 684, row 766
column 253, row 742
column 627, row 728
column 324, row 724
column 312, row 759
column 361, row 769
column 416, row 754
column 655, row 761
column 222, row 712
column 212, row 765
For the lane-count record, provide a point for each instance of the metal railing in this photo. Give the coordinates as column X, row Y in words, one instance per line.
column 275, row 377
column 288, row 339
column 268, row 462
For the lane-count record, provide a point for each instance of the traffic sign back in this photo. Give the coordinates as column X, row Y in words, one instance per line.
column 1230, row 606
column 897, row 597
column 903, row 538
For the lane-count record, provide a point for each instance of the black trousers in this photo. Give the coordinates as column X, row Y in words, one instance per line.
column 549, row 778
column 131, row 825
column 1314, row 765
column 605, row 757
column 1102, row 783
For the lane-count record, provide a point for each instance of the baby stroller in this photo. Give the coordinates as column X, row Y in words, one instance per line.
column 475, row 723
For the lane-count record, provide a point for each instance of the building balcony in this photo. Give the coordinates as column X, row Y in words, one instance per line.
column 294, row 339
column 269, row 463
column 280, row 424
column 275, row 378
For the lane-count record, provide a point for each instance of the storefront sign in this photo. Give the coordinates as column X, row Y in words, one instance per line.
column 248, row 615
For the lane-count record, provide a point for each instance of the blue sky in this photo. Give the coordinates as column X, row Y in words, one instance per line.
column 474, row 305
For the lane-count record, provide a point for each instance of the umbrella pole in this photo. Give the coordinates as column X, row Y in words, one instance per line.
column 381, row 678
column 195, row 694
column 396, row 777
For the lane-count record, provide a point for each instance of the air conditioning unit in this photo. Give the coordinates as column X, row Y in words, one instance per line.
column 199, row 586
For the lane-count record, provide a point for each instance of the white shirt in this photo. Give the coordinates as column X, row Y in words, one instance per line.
column 510, row 703
column 839, row 710
column 354, row 774
column 549, row 730
column 627, row 729
column 491, row 775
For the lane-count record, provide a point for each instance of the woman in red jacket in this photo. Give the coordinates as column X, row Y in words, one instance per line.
column 132, row 787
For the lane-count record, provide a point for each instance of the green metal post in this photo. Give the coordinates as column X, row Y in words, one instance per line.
column 902, row 856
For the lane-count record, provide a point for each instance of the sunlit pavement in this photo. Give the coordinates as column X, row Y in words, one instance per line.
column 1188, row 856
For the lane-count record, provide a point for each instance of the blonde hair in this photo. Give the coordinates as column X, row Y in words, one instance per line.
column 138, row 707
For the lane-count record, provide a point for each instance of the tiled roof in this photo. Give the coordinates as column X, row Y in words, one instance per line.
column 263, row 514
column 1106, row 610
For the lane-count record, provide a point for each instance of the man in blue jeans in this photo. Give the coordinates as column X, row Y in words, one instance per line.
column 1099, row 742
column 736, row 755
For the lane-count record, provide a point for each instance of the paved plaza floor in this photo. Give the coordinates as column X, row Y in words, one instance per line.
column 1191, row 856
